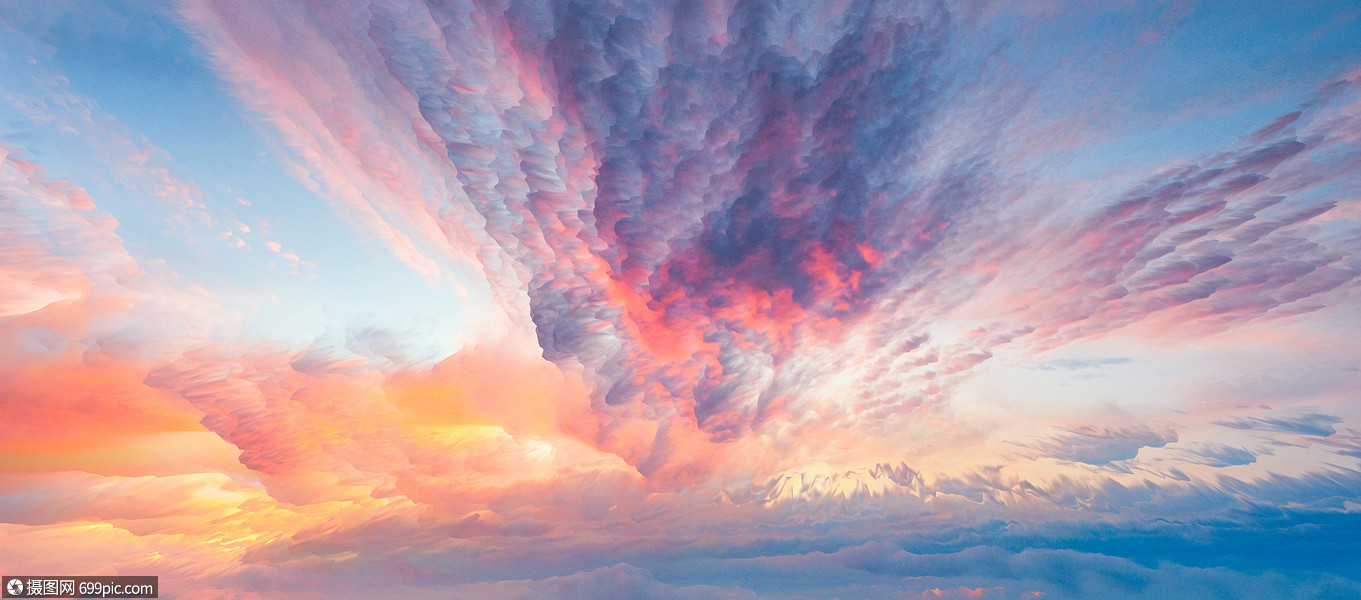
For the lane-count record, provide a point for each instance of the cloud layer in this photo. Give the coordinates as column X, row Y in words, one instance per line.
column 750, row 299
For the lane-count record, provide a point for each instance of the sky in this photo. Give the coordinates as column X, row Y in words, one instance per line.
column 699, row 299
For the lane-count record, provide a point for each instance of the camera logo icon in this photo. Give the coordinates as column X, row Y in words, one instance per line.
column 15, row 587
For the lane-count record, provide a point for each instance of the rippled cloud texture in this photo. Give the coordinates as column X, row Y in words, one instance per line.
column 701, row 299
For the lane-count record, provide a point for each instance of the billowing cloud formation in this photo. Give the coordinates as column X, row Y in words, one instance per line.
column 751, row 299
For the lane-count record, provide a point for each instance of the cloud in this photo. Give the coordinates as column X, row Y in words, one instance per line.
column 1101, row 446
column 54, row 241
column 1306, row 424
column 886, row 571
column 618, row 580
column 1221, row 455
column 704, row 214
column 769, row 300
column 1080, row 363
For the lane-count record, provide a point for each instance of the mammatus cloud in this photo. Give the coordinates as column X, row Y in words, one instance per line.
column 767, row 300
